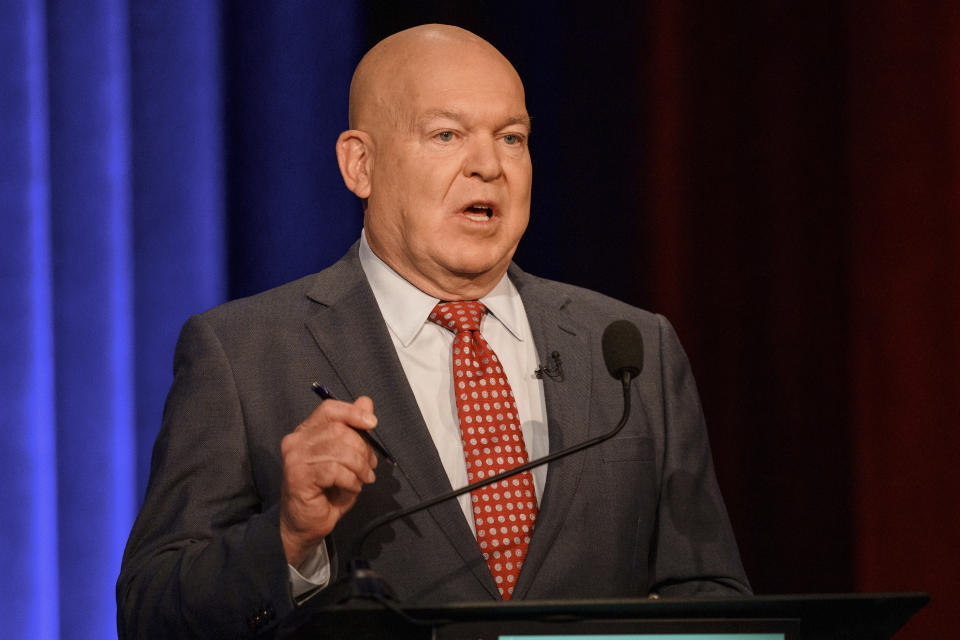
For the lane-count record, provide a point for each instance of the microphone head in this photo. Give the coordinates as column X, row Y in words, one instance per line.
column 623, row 349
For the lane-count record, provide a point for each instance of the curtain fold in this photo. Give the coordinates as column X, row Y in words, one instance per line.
column 288, row 67
column 92, row 382
column 178, row 167
column 28, row 513
column 904, row 159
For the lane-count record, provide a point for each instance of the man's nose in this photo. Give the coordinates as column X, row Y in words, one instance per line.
column 483, row 159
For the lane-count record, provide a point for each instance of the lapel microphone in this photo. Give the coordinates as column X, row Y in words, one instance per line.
column 623, row 355
column 554, row 372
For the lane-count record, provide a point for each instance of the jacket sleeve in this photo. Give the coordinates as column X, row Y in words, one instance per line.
column 204, row 558
column 694, row 552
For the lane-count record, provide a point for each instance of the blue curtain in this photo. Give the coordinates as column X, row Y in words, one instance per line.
column 124, row 124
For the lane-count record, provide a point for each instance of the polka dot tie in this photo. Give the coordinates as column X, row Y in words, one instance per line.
column 504, row 511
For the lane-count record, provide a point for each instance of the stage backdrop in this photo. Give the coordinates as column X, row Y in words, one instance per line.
column 781, row 180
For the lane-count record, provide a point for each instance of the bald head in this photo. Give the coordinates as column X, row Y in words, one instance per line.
column 393, row 71
column 437, row 149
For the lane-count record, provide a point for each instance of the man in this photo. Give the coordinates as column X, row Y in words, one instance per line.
column 245, row 514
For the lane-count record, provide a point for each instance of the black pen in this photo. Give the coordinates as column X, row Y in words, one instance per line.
column 325, row 394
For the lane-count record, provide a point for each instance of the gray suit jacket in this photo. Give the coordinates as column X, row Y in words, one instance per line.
column 641, row 512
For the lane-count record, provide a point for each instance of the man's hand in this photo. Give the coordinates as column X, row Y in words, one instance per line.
column 325, row 465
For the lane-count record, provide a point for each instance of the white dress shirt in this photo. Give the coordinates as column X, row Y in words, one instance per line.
column 425, row 352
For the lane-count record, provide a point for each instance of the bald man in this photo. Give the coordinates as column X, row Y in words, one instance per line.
column 257, row 493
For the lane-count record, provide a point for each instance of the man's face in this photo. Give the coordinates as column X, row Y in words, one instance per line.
column 451, row 174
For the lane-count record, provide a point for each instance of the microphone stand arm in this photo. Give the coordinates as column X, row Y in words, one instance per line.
column 625, row 378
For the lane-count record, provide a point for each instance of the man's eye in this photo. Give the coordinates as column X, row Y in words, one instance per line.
column 445, row 136
column 512, row 139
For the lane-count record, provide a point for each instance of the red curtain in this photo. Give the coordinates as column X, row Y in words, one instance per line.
column 904, row 163
column 803, row 183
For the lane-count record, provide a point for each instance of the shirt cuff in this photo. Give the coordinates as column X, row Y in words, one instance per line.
column 313, row 575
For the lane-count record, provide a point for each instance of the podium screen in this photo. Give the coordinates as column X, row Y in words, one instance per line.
column 650, row 636
column 660, row 629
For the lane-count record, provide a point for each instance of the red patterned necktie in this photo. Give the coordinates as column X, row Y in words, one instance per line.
column 504, row 511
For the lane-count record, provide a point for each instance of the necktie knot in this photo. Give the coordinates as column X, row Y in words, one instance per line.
column 459, row 316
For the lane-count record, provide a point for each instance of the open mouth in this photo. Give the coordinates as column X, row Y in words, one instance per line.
column 479, row 211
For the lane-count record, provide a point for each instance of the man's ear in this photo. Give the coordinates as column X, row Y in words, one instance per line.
column 355, row 157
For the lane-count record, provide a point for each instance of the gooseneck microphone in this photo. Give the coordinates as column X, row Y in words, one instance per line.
column 623, row 350
column 623, row 356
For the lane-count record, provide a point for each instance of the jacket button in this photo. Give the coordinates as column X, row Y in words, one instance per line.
column 261, row 617
column 266, row 614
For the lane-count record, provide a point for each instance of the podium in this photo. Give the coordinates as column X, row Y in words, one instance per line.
column 788, row 617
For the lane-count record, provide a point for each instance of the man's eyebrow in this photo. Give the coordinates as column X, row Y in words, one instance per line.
column 456, row 116
column 523, row 119
column 440, row 114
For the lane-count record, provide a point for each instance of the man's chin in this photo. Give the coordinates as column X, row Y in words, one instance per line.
column 461, row 279
column 473, row 267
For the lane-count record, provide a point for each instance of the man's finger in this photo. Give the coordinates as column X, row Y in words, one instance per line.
column 364, row 403
column 334, row 475
column 338, row 444
column 358, row 416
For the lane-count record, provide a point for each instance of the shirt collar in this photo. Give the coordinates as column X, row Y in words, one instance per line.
column 405, row 308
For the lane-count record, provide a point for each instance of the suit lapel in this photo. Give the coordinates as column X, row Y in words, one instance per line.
column 567, row 410
column 354, row 338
